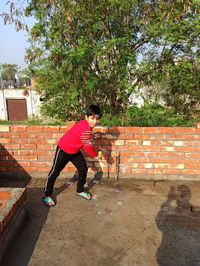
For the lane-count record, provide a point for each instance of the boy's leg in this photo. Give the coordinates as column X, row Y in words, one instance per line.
column 60, row 160
column 79, row 162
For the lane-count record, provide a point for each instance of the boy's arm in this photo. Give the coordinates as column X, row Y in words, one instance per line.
column 86, row 139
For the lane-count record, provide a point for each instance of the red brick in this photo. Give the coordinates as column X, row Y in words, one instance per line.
column 139, row 171
column 53, row 129
column 10, row 135
column 24, row 135
column 36, row 164
column 189, row 137
column 5, row 140
column 176, row 154
column 151, row 130
column 162, row 142
column 29, row 158
column 11, row 146
column 35, row 129
column 44, row 158
column 133, row 142
column 37, row 152
column 122, row 148
column 18, row 140
column 147, row 137
column 25, row 164
column 195, row 166
column 133, row 130
column 192, row 155
column 5, row 195
column 56, row 135
column 44, row 169
column 145, row 148
column 16, row 169
column 196, row 130
column 127, row 136
column 18, row 128
column 184, row 130
column 188, row 149
column 45, row 147
column 166, row 130
column 28, row 146
column 8, row 163
column 126, row 159
column 100, row 130
column 36, row 141
column 20, row 152
column 3, row 169
column 172, row 172
column 116, row 130
column 30, row 169
column 190, row 172
column 155, row 171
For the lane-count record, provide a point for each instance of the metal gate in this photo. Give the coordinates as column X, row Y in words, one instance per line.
column 16, row 109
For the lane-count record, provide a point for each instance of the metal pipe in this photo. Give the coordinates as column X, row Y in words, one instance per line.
column 4, row 101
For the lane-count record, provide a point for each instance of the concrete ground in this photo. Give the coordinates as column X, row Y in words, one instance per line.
column 126, row 224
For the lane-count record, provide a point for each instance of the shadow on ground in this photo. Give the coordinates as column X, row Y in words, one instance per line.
column 180, row 228
column 24, row 243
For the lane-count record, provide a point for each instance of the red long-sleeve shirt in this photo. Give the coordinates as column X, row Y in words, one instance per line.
column 77, row 138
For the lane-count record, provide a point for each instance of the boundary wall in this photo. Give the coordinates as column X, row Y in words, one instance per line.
column 149, row 153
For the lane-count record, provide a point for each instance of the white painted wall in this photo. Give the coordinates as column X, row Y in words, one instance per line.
column 32, row 100
column 136, row 98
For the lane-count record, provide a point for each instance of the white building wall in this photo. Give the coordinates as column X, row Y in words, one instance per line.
column 137, row 99
column 32, row 101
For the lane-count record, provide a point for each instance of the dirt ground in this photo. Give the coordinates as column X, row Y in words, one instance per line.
column 126, row 224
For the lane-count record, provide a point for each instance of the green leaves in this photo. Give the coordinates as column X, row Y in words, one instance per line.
column 102, row 51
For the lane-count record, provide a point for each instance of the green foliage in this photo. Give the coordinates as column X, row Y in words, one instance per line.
column 85, row 52
column 150, row 115
column 7, row 74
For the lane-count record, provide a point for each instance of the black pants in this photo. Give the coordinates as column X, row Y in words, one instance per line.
column 60, row 161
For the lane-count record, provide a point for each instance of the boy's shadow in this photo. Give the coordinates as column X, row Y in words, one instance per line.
column 180, row 229
column 104, row 143
column 21, row 246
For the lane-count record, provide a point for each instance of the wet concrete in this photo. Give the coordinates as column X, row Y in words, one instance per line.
column 133, row 223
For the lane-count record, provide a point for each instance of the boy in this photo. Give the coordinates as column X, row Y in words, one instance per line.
column 68, row 149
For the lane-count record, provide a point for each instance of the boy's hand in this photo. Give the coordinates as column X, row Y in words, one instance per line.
column 99, row 157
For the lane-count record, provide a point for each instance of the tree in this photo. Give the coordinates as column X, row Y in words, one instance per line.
column 8, row 74
column 13, row 76
column 89, row 54
column 102, row 51
column 173, row 60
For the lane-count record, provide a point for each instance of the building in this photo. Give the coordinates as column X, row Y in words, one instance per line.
column 18, row 104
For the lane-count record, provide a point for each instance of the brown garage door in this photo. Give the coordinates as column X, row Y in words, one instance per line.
column 16, row 109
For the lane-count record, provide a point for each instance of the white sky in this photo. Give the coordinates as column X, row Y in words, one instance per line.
column 12, row 43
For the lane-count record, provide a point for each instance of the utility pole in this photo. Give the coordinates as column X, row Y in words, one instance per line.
column 4, row 100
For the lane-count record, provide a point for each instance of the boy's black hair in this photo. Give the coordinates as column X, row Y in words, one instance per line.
column 93, row 110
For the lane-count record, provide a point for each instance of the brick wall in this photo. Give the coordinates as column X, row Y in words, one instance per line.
column 133, row 152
